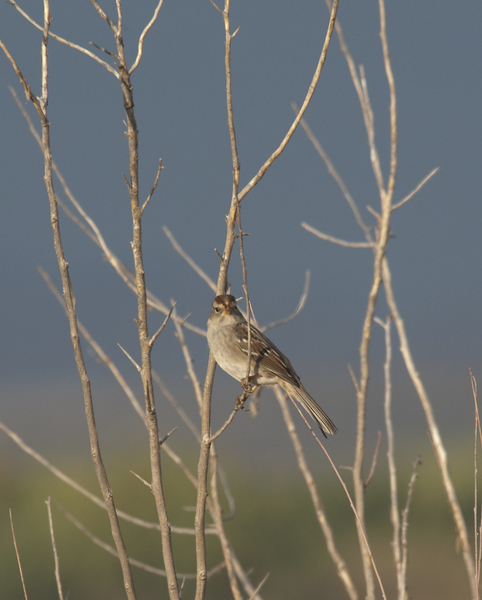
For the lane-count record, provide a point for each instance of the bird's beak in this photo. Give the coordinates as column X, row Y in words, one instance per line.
column 227, row 311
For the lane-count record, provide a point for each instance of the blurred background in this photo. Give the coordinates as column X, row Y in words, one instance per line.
column 181, row 113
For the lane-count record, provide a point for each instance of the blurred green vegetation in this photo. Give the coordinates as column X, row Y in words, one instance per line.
column 274, row 530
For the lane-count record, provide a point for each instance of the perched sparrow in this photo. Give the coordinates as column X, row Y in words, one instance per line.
column 228, row 341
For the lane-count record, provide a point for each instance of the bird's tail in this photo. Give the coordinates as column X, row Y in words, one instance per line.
column 321, row 418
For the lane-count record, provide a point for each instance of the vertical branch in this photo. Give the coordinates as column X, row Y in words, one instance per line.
column 340, row 564
column 311, row 90
column 141, row 321
column 231, row 220
column 386, row 196
column 437, row 443
column 203, row 463
column 358, row 480
column 70, row 307
column 404, row 526
column 74, row 334
column 477, row 525
column 54, row 547
column 216, row 513
column 393, row 101
column 392, row 470
column 17, row 555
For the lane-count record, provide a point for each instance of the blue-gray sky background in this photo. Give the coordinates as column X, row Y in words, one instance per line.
column 181, row 111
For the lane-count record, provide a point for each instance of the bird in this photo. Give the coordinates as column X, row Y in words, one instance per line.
column 227, row 333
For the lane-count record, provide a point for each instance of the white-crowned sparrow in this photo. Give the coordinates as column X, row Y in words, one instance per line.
column 228, row 341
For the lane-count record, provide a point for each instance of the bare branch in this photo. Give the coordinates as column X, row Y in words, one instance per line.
column 188, row 359
column 304, row 106
column 98, row 350
column 298, row 309
column 109, row 22
column 188, row 259
column 334, row 240
column 96, row 454
column 64, row 41
column 54, row 547
column 353, row 378
column 374, row 460
column 141, row 39
column 404, row 526
column 130, row 358
column 437, row 443
column 254, row 595
column 347, row 493
column 168, row 435
column 477, row 525
column 156, row 180
column 142, row 480
column 28, row 92
column 333, row 172
column 17, row 555
column 161, row 328
column 338, row 561
column 92, row 497
column 416, row 189
column 216, row 6
column 397, row 545
column 393, row 102
column 217, row 515
column 226, row 423
column 180, row 411
column 108, row 52
column 111, row 550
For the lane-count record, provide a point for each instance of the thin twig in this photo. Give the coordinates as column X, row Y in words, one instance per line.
column 161, row 328
column 202, row 274
column 246, row 292
column 111, row 550
column 352, row 505
column 260, row 585
column 54, row 547
column 156, row 181
column 335, row 240
column 477, row 524
column 298, row 309
column 416, row 189
column 374, row 461
column 141, row 43
column 304, row 106
column 338, row 561
column 138, row 367
column 175, row 404
column 404, row 526
column 188, row 359
column 109, row 22
column 226, row 423
column 392, row 470
column 104, row 50
column 331, row 168
column 98, row 350
column 217, row 515
column 64, row 41
column 437, row 443
column 17, row 555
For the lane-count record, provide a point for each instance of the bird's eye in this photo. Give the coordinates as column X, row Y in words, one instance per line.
column 217, row 308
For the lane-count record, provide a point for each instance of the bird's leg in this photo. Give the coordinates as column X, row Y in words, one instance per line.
column 247, row 385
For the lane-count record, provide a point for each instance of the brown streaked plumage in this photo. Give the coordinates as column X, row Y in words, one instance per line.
column 228, row 341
